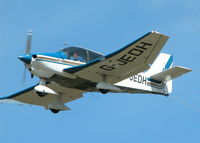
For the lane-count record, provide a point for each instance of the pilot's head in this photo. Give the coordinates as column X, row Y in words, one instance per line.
column 75, row 54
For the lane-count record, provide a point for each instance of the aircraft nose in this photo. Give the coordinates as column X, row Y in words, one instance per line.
column 26, row 59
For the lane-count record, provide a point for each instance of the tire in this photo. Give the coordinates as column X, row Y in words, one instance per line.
column 54, row 111
column 103, row 91
column 41, row 94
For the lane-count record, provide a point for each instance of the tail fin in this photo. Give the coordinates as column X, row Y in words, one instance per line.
column 162, row 63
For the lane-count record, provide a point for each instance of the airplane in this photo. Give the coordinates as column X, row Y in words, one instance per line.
column 139, row 67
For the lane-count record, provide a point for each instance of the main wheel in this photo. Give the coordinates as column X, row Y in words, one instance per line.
column 54, row 111
column 41, row 94
column 104, row 91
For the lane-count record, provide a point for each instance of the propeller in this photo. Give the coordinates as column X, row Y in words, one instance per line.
column 28, row 43
column 24, row 74
column 27, row 57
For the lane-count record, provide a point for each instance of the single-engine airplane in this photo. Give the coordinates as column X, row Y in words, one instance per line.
column 65, row 75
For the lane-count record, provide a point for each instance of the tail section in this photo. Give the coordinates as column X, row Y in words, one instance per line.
column 162, row 71
column 157, row 80
column 166, row 76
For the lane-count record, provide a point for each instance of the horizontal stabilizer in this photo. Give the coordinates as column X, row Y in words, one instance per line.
column 170, row 74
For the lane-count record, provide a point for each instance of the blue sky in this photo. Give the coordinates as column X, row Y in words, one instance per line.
column 104, row 26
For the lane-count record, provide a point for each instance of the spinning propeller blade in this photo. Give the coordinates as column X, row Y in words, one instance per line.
column 24, row 74
column 26, row 58
column 28, row 43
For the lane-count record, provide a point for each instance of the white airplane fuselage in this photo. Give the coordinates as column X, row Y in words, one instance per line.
column 46, row 66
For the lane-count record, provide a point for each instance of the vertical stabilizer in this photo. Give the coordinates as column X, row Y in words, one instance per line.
column 162, row 63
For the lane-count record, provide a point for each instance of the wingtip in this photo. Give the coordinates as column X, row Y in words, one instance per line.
column 158, row 33
column 188, row 69
column 155, row 32
column 29, row 32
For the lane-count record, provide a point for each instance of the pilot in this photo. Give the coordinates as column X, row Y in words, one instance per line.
column 76, row 57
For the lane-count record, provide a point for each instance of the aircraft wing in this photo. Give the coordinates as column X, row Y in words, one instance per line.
column 29, row 96
column 128, row 61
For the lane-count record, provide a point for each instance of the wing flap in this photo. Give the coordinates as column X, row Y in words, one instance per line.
column 170, row 74
column 130, row 60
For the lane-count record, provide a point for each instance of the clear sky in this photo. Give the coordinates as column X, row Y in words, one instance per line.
column 103, row 26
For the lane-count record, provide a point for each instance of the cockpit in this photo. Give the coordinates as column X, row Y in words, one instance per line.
column 79, row 54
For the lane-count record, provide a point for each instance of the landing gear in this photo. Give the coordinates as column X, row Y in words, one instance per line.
column 103, row 91
column 54, row 111
column 41, row 94
column 104, row 86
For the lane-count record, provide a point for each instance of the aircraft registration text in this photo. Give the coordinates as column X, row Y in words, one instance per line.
column 129, row 57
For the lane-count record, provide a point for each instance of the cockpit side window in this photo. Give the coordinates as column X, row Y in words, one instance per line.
column 80, row 54
column 63, row 54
